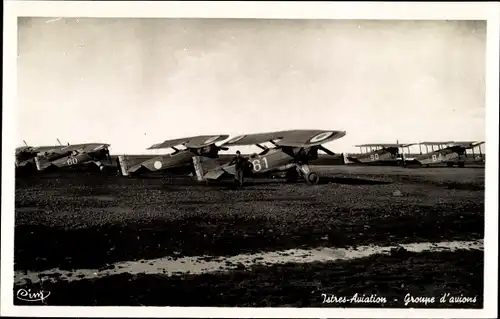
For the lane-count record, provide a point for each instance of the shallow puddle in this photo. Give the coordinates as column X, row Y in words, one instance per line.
column 204, row 264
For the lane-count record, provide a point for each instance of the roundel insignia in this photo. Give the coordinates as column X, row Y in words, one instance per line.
column 211, row 139
column 320, row 137
column 157, row 165
column 235, row 139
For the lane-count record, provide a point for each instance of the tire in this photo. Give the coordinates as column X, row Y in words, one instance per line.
column 312, row 178
column 449, row 164
column 461, row 164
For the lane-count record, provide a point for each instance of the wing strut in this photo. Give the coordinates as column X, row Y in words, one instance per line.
column 261, row 147
column 327, row 151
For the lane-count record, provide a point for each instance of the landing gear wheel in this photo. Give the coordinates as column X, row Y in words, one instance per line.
column 461, row 164
column 312, row 178
column 449, row 164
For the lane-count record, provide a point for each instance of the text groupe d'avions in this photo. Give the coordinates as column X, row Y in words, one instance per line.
column 408, row 299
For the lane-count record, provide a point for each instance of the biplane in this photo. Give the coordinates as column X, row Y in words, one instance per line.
column 291, row 153
column 73, row 155
column 379, row 154
column 449, row 153
column 181, row 160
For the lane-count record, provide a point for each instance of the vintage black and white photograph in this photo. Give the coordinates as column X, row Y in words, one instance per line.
column 250, row 162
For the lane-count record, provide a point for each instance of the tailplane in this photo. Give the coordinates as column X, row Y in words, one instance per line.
column 41, row 163
column 207, row 168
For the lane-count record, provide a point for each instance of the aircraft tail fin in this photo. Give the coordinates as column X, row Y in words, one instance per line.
column 206, row 168
column 41, row 163
column 198, row 168
column 345, row 160
column 351, row 160
column 123, row 165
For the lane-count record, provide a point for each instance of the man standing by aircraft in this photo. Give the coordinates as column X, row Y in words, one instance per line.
column 240, row 162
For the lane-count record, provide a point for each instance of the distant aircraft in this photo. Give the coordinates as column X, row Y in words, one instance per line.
column 449, row 153
column 379, row 154
column 203, row 145
column 73, row 155
column 291, row 154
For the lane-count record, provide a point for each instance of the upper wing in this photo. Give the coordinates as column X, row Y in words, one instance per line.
column 293, row 138
column 92, row 147
column 87, row 147
column 468, row 144
column 35, row 148
column 64, row 148
column 252, row 139
column 192, row 142
column 21, row 149
column 305, row 138
column 51, row 150
column 46, row 148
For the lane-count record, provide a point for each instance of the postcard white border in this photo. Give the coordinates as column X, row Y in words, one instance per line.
column 279, row 10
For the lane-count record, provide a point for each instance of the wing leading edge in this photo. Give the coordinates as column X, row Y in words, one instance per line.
column 292, row 138
column 190, row 142
column 252, row 139
column 307, row 138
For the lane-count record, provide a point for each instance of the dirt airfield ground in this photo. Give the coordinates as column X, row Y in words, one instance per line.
column 78, row 231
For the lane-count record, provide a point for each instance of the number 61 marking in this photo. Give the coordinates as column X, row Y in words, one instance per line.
column 257, row 166
column 72, row 161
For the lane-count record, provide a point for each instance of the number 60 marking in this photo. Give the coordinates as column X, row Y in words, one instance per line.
column 72, row 161
column 257, row 166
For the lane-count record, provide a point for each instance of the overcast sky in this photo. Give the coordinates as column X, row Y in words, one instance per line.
column 136, row 82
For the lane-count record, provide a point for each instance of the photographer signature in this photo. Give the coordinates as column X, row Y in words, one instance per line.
column 28, row 295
